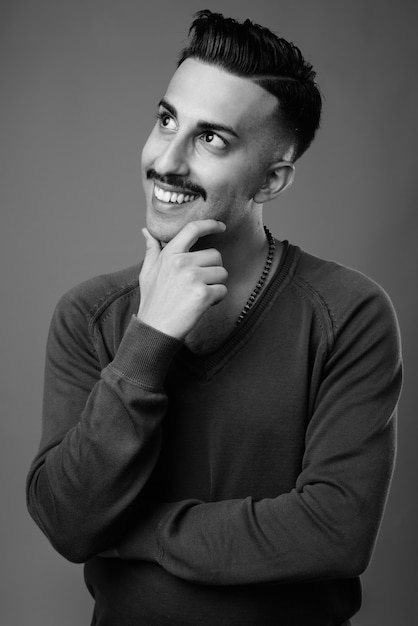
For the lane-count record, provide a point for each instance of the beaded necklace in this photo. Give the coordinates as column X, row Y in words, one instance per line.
column 262, row 279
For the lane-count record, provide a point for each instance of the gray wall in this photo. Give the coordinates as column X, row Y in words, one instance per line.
column 79, row 82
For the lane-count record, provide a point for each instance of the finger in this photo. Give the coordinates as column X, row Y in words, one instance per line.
column 216, row 275
column 153, row 249
column 193, row 231
column 206, row 257
column 217, row 293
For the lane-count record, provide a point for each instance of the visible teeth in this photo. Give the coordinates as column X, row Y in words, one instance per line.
column 158, row 192
column 167, row 196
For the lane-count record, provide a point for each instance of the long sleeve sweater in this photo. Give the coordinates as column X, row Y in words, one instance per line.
column 242, row 487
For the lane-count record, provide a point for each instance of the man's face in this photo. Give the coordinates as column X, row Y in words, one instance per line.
column 209, row 151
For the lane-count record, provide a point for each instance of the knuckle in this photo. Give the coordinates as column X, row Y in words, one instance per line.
column 221, row 276
column 224, row 275
column 201, row 293
column 223, row 292
column 177, row 261
column 192, row 228
column 219, row 293
column 216, row 256
column 190, row 274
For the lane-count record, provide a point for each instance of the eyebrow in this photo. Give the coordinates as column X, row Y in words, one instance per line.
column 201, row 124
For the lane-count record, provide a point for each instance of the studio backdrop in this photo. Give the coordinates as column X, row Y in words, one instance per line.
column 80, row 80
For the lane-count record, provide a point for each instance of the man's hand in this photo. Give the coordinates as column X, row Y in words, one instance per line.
column 178, row 286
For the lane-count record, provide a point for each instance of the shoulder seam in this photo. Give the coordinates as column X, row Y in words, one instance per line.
column 327, row 319
column 123, row 296
column 110, row 296
column 105, row 302
column 90, row 299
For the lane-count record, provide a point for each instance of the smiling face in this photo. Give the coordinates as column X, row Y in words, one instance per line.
column 210, row 150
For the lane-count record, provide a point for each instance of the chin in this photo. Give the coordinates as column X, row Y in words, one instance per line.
column 164, row 232
column 165, row 227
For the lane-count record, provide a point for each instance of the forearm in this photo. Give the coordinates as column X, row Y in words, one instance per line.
column 326, row 526
column 85, row 481
column 319, row 530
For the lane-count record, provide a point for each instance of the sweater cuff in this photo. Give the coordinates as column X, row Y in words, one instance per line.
column 144, row 355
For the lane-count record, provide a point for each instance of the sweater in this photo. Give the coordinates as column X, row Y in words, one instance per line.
column 243, row 487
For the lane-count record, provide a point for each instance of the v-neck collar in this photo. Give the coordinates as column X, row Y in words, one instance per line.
column 207, row 365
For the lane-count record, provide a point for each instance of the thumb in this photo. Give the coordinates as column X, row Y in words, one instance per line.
column 153, row 249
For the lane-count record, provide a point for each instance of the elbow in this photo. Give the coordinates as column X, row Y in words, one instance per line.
column 72, row 547
column 67, row 529
column 360, row 543
column 72, row 551
column 68, row 539
column 349, row 555
column 64, row 540
column 352, row 564
column 359, row 557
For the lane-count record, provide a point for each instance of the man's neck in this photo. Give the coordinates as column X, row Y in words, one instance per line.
column 244, row 256
column 243, row 250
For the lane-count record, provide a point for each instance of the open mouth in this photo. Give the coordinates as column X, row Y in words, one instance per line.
column 174, row 197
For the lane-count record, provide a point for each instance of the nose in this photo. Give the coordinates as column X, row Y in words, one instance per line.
column 173, row 158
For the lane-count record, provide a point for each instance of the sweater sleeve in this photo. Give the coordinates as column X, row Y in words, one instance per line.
column 326, row 526
column 101, row 431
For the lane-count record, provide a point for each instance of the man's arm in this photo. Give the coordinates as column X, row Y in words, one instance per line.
column 327, row 525
column 101, row 427
column 101, row 432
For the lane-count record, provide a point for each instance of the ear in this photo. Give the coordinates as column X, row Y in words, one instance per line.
column 279, row 177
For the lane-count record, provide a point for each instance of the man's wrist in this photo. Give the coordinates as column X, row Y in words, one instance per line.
column 144, row 355
column 166, row 329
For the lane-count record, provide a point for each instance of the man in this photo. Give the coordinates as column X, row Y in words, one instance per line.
column 218, row 440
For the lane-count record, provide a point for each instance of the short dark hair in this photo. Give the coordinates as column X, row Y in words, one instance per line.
column 252, row 51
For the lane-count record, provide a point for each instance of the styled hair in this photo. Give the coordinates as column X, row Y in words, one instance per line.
column 252, row 51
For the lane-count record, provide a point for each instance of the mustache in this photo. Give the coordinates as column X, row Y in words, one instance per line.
column 177, row 181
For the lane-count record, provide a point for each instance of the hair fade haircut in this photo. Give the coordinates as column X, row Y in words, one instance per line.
column 252, row 51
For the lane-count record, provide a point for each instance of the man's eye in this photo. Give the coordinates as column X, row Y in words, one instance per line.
column 166, row 121
column 213, row 139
